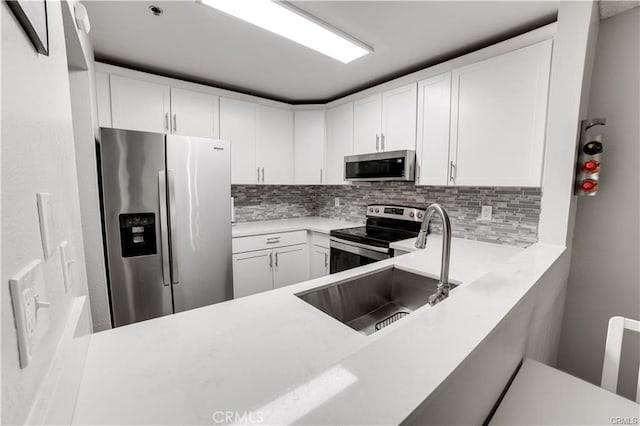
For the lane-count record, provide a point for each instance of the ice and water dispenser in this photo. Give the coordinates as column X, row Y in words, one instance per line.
column 138, row 234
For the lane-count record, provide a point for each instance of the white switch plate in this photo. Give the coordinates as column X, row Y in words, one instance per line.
column 486, row 213
column 336, row 201
column 47, row 227
column 31, row 323
column 66, row 265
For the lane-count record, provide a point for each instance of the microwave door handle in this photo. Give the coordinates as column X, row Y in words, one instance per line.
column 164, row 228
column 175, row 271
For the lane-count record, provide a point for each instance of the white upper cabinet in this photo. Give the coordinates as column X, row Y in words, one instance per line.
column 238, row 125
column 385, row 121
column 399, row 118
column 498, row 122
column 274, row 148
column 194, row 113
column 432, row 151
column 139, row 105
column 309, row 142
column 339, row 141
column 367, row 124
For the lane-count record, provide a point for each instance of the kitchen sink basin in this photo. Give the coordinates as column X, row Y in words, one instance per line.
column 371, row 302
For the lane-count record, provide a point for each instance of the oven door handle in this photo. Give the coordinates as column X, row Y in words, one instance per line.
column 377, row 253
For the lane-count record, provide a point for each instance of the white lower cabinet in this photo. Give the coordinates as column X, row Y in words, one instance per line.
column 318, row 262
column 252, row 272
column 290, row 265
column 257, row 269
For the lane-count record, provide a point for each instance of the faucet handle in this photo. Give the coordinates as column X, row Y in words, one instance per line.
column 421, row 241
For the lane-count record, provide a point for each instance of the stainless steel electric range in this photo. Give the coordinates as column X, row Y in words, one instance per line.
column 353, row 247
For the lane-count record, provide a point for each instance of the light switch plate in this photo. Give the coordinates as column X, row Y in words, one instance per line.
column 27, row 287
column 47, row 226
column 66, row 265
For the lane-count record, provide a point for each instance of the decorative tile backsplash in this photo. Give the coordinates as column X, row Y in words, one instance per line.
column 515, row 210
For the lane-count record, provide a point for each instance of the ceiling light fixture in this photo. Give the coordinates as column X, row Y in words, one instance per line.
column 289, row 22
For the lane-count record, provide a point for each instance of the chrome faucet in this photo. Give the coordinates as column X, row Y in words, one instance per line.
column 443, row 285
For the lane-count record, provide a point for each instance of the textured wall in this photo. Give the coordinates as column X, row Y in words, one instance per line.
column 515, row 210
column 604, row 278
column 37, row 156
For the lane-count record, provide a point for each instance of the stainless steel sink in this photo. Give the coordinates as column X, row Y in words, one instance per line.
column 371, row 302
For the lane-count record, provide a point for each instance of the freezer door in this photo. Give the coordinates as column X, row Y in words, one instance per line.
column 199, row 179
column 133, row 164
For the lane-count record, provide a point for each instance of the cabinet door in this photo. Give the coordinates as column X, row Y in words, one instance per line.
column 434, row 110
column 309, row 143
column 339, row 141
column 274, row 148
column 139, row 105
column 319, row 259
column 194, row 113
column 399, row 118
column 238, row 125
column 367, row 120
column 290, row 265
column 252, row 272
column 499, row 129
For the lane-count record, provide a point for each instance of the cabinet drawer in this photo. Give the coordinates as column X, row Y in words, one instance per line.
column 319, row 239
column 259, row 242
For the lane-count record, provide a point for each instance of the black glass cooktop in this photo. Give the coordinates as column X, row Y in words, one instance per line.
column 373, row 236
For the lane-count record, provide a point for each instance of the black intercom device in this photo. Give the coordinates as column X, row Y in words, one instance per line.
column 138, row 234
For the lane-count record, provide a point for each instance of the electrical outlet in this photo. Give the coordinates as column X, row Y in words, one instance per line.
column 486, row 213
column 27, row 292
column 336, row 201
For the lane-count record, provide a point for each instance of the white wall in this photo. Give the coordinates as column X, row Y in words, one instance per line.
column 605, row 279
column 37, row 156
column 86, row 132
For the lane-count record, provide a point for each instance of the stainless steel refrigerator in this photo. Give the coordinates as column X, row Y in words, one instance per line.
column 167, row 219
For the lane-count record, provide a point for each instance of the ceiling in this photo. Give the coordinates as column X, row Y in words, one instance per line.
column 609, row 8
column 194, row 42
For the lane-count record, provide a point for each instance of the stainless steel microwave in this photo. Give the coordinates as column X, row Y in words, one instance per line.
column 392, row 165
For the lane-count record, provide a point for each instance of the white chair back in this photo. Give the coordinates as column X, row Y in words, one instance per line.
column 612, row 351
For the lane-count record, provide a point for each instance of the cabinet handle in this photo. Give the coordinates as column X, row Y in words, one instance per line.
column 326, row 260
column 276, row 259
column 417, row 174
column 166, row 121
column 452, row 172
column 273, row 240
column 263, row 175
column 377, row 142
column 258, row 174
column 382, row 141
column 320, row 175
column 270, row 260
column 175, row 122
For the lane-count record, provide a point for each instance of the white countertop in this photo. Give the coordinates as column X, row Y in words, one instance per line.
column 313, row 223
column 275, row 356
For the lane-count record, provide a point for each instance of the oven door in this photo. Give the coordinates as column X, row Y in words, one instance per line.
column 347, row 254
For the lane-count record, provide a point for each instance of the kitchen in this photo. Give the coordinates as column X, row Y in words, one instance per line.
column 326, row 193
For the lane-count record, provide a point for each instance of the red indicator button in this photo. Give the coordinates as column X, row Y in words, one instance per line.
column 591, row 166
column 589, row 185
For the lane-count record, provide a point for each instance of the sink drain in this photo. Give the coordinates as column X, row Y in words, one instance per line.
column 390, row 320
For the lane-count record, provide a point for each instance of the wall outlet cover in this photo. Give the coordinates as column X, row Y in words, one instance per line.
column 486, row 213
column 47, row 226
column 27, row 289
column 336, row 201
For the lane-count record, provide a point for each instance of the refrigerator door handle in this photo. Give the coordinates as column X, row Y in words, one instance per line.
column 175, row 272
column 164, row 229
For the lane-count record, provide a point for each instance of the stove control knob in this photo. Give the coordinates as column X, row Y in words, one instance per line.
column 412, row 214
column 377, row 210
column 370, row 209
column 419, row 215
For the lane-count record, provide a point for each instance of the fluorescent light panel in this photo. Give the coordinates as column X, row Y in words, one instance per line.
column 285, row 22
